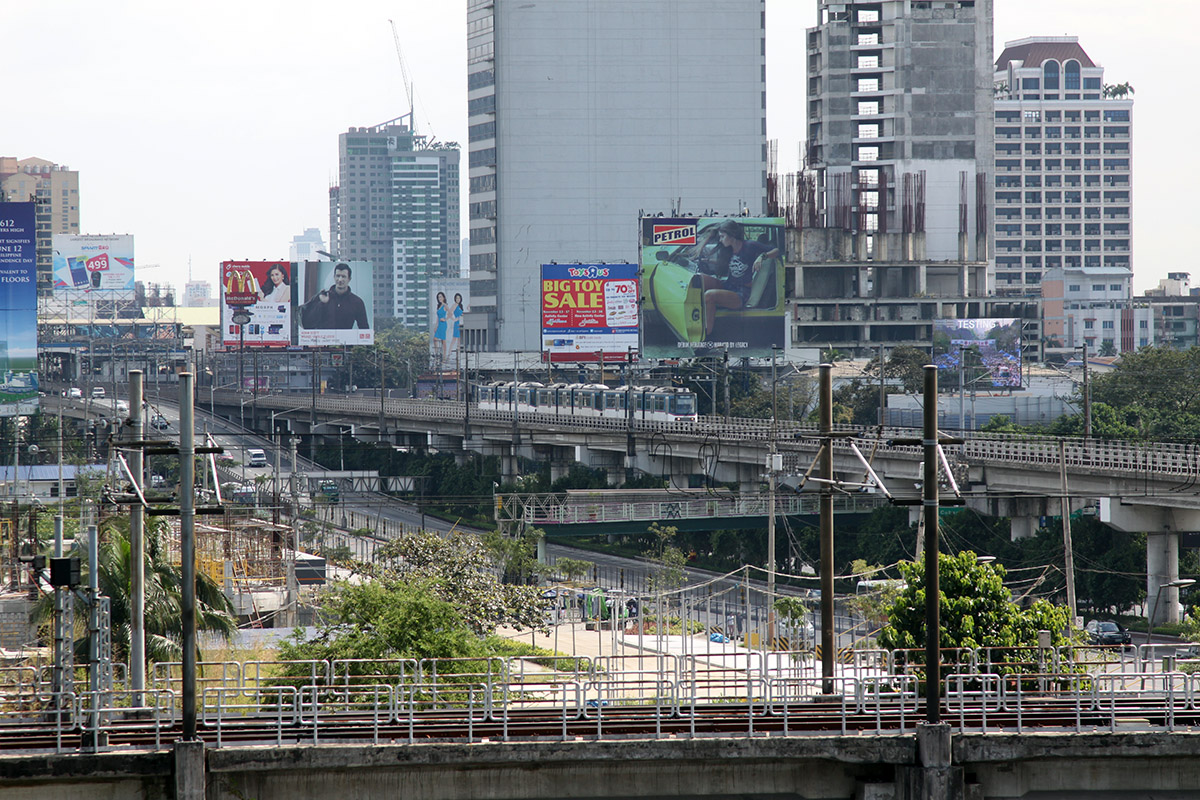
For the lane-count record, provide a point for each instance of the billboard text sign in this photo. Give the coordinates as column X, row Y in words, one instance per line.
column 18, row 309
column 712, row 284
column 987, row 352
column 93, row 263
column 256, row 303
column 589, row 309
column 335, row 303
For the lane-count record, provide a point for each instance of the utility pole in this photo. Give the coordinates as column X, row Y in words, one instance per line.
column 929, row 501
column 828, row 634
column 1087, row 396
column 293, row 589
column 1068, row 547
column 882, row 391
column 137, row 542
column 773, row 465
column 187, row 548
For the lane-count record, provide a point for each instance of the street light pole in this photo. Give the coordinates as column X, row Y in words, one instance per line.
column 772, row 468
column 1178, row 583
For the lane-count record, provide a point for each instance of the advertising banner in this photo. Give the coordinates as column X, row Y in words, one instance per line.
column 985, row 352
column 712, row 284
column 589, row 311
column 18, row 310
column 256, row 303
column 335, row 303
column 93, row 263
column 449, row 299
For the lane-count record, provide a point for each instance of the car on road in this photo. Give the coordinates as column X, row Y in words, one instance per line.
column 159, row 422
column 1106, row 632
column 255, row 457
column 98, row 393
column 157, row 481
column 74, row 393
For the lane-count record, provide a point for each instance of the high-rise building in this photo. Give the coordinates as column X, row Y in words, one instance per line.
column 307, row 246
column 396, row 205
column 900, row 120
column 583, row 114
column 55, row 189
column 198, row 294
column 1063, row 165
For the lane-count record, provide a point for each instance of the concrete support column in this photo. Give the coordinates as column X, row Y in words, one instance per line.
column 1162, row 567
column 860, row 247
column 922, row 280
column 962, row 247
column 189, row 770
column 864, row 275
column 508, row 465
column 1023, row 528
column 935, row 777
column 882, row 242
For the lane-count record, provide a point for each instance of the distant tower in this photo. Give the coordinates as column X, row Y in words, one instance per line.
column 305, row 247
column 397, row 205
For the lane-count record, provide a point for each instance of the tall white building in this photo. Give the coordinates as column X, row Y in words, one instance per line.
column 584, row 113
column 397, row 205
column 1064, row 165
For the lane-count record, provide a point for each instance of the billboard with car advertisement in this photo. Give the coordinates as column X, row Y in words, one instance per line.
column 18, row 309
column 712, row 284
column 335, row 303
column 449, row 300
column 589, row 311
column 93, row 263
column 986, row 352
column 256, row 303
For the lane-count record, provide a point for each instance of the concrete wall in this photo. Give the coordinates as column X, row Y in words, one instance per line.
column 1132, row 766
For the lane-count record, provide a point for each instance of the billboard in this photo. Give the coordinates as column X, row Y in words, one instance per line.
column 449, row 299
column 589, row 310
column 984, row 351
column 18, row 310
column 335, row 303
column 256, row 303
column 712, row 284
column 93, row 263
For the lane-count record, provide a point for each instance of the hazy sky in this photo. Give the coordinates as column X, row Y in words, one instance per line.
column 209, row 131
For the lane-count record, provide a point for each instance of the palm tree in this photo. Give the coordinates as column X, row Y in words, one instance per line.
column 1117, row 91
column 164, row 597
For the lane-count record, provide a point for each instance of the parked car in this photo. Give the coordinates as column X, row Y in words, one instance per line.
column 159, row 422
column 1100, row 631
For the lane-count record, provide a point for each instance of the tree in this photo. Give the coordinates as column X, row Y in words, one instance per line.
column 669, row 560
column 976, row 610
column 573, row 569
column 458, row 570
column 163, row 592
column 1117, row 91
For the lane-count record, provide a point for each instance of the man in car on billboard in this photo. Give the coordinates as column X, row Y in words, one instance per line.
column 337, row 307
column 736, row 287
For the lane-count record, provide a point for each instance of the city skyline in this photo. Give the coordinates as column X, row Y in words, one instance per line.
column 244, row 143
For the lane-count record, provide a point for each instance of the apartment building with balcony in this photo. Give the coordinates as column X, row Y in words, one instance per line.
column 1064, row 165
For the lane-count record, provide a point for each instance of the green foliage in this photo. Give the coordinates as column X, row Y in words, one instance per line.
column 573, row 569
column 458, row 570
column 670, row 561
column 386, row 621
column 976, row 610
column 516, row 554
column 163, row 593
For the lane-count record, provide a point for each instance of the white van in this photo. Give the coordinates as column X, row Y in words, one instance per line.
column 255, row 457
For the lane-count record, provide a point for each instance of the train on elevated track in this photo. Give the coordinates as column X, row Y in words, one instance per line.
column 650, row 403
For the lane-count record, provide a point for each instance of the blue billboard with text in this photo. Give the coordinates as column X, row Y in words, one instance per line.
column 18, row 310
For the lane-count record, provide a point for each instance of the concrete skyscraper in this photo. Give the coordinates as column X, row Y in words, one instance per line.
column 900, row 119
column 55, row 189
column 397, row 205
column 584, row 113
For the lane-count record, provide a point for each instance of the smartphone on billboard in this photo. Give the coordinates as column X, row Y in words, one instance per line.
column 79, row 275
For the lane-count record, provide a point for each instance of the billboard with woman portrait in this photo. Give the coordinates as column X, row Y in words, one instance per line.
column 256, row 303
column 449, row 300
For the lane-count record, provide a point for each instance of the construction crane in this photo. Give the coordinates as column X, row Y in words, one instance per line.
column 409, row 91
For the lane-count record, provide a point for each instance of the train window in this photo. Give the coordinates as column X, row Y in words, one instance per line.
column 611, row 400
column 685, row 404
column 660, row 403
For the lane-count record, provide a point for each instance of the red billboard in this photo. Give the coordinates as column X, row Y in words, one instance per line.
column 256, row 303
column 589, row 309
